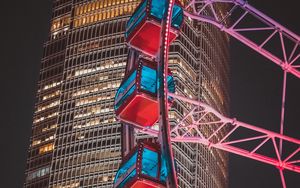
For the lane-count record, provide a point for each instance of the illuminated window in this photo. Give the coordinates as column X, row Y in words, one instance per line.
column 106, row 65
column 36, row 142
column 54, row 94
column 91, row 111
column 46, row 148
column 88, row 124
column 38, row 173
column 48, row 128
column 92, row 11
column 185, row 68
column 45, row 117
column 54, row 84
column 60, row 25
column 94, row 99
column 53, row 104
column 71, row 185
column 89, row 100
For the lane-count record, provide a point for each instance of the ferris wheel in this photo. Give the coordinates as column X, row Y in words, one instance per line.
column 148, row 91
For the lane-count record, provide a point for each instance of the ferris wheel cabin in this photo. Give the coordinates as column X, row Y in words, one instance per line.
column 136, row 98
column 142, row 168
column 144, row 26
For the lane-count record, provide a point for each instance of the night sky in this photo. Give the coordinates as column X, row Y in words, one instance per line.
column 255, row 90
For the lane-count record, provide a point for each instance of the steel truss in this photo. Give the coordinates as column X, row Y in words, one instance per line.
column 203, row 124
column 233, row 23
column 276, row 43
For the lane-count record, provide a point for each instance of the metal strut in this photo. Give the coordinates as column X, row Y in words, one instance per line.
column 164, row 127
column 279, row 45
column 204, row 125
column 287, row 59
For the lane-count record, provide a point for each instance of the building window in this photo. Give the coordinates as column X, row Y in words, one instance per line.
column 91, row 12
column 46, row 148
column 38, row 173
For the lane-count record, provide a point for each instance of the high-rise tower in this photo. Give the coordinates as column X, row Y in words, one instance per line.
column 76, row 139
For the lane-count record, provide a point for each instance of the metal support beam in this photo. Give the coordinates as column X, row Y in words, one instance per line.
column 287, row 59
column 164, row 127
column 206, row 118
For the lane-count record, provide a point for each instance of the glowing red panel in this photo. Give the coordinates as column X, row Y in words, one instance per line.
column 147, row 38
column 144, row 183
column 141, row 110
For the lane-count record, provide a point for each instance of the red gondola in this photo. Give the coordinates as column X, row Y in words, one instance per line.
column 136, row 98
column 144, row 27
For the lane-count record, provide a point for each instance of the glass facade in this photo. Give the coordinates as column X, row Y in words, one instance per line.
column 75, row 138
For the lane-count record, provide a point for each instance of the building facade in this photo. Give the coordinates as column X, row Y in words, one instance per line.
column 75, row 138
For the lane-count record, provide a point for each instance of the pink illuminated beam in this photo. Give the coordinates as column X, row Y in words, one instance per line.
column 282, row 109
column 282, row 178
column 223, row 133
column 288, row 60
column 279, row 45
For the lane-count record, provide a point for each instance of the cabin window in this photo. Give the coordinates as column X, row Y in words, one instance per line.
column 125, row 90
column 150, row 163
column 136, row 18
column 177, row 16
column 128, row 167
column 148, row 80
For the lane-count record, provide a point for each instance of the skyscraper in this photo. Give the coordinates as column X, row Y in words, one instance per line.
column 75, row 137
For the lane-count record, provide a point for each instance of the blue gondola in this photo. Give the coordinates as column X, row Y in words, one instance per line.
column 142, row 168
